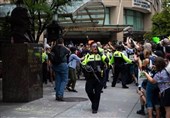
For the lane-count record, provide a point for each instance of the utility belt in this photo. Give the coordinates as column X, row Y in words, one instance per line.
column 89, row 71
column 120, row 64
column 99, row 74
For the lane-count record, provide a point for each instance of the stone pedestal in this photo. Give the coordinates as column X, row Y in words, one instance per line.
column 22, row 72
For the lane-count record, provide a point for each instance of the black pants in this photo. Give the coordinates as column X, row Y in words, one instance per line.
column 93, row 89
column 44, row 71
column 106, row 76
column 120, row 69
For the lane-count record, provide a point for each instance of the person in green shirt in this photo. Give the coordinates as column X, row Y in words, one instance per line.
column 44, row 65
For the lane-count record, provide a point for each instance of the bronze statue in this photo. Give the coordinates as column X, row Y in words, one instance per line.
column 20, row 26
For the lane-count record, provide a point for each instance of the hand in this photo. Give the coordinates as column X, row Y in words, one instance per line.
column 144, row 72
column 82, row 58
column 153, row 67
column 109, row 43
column 136, row 58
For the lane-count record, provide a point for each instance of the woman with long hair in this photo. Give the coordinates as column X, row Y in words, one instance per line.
column 162, row 78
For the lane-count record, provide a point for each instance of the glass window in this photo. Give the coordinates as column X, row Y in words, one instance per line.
column 130, row 20
column 107, row 17
column 129, row 13
column 5, row 9
column 134, row 18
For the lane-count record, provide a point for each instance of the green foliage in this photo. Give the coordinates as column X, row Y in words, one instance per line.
column 148, row 35
column 161, row 21
column 41, row 13
column 5, row 31
column 5, row 26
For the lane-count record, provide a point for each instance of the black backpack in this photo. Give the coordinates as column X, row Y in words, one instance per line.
column 55, row 55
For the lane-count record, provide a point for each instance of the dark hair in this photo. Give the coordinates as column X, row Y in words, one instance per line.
column 160, row 63
column 60, row 41
column 119, row 47
column 73, row 49
column 168, row 56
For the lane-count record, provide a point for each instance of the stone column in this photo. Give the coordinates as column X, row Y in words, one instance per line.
column 22, row 72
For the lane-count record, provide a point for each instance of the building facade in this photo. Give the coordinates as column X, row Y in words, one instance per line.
column 137, row 13
column 118, row 13
column 4, row 1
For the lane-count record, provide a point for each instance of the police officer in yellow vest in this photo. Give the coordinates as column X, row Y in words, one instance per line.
column 120, row 60
column 94, row 76
column 108, row 54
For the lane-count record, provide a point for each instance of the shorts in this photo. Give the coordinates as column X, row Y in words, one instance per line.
column 132, row 69
column 165, row 98
column 152, row 96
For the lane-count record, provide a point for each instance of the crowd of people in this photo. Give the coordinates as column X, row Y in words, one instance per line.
column 143, row 63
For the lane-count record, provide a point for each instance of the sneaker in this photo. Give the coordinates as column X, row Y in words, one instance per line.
column 69, row 89
column 59, row 98
column 74, row 90
column 94, row 111
column 125, row 87
column 136, row 84
column 113, row 85
column 105, row 87
column 141, row 112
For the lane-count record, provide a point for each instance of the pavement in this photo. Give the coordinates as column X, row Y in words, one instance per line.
column 115, row 103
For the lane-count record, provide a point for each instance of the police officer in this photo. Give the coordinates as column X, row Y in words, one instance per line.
column 119, row 59
column 94, row 66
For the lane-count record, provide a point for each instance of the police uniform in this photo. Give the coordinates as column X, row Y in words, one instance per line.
column 119, row 60
column 107, row 69
column 94, row 85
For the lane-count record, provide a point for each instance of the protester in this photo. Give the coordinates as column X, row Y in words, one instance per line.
column 152, row 90
column 162, row 77
column 73, row 60
column 60, row 68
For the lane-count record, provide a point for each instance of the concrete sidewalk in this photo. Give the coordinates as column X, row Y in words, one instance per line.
column 115, row 103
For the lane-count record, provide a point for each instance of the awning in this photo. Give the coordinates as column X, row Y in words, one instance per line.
column 103, row 32
column 83, row 13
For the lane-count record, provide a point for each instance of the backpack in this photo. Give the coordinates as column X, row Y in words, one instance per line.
column 55, row 56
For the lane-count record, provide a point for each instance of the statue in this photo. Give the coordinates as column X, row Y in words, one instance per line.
column 54, row 31
column 20, row 26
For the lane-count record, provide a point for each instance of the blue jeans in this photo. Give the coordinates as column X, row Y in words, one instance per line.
column 152, row 95
column 61, row 78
